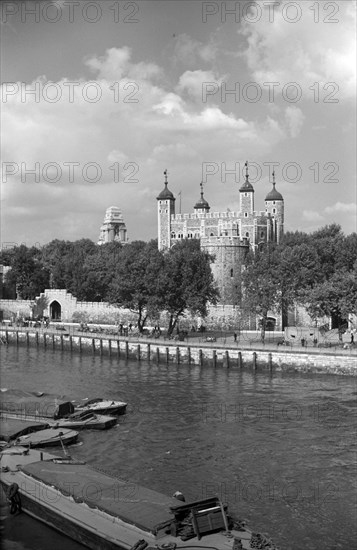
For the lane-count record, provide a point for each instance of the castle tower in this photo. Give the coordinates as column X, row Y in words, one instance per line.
column 202, row 206
column 247, row 215
column 274, row 205
column 165, row 209
column 246, row 193
column 113, row 228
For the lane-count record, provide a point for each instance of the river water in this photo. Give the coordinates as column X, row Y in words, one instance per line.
column 281, row 449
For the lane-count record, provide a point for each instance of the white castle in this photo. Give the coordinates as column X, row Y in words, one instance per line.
column 226, row 235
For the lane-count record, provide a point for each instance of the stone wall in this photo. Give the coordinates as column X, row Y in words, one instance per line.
column 70, row 308
column 220, row 317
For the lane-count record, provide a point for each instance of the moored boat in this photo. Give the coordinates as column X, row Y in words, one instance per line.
column 107, row 513
column 56, row 407
column 76, row 421
column 85, row 420
column 105, row 406
column 35, row 434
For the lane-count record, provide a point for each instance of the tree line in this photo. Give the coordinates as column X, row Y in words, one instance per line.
column 317, row 270
column 136, row 275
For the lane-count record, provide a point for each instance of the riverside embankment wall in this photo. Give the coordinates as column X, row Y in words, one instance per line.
column 169, row 352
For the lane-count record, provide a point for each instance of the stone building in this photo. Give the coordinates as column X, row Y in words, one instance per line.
column 113, row 228
column 226, row 235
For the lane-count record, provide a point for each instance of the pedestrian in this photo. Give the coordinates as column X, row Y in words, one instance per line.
column 352, row 338
column 235, row 336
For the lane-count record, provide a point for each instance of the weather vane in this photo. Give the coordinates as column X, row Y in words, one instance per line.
column 246, row 168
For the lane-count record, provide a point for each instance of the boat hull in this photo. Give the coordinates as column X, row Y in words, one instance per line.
column 95, row 425
column 106, row 513
column 116, row 410
column 101, row 422
column 36, row 509
column 40, row 440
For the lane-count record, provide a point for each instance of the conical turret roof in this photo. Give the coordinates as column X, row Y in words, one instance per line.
column 165, row 193
column 202, row 203
column 274, row 195
column 247, row 186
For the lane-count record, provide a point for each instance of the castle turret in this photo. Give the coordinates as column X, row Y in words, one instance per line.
column 202, row 205
column 274, row 205
column 165, row 209
column 247, row 219
column 246, row 192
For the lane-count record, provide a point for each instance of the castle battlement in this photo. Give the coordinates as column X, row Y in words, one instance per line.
column 204, row 216
column 225, row 240
column 215, row 215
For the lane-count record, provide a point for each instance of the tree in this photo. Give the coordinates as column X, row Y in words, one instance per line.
column 27, row 272
column 262, row 283
column 336, row 298
column 136, row 281
column 328, row 243
column 100, row 269
column 186, row 281
column 65, row 262
column 39, row 307
column 299, row 268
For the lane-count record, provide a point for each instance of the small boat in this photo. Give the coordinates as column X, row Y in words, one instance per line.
column 86, row 420
column 12, row 428
column 34, row 434
column 78, row 420
column 54, row 407
column 101, row 511
column 105, row 406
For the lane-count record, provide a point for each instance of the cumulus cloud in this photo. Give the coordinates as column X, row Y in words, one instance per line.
column 312, row 216
column 294, row 119
column 127, row 143
column 192, row 52
column 350, row 208
column 192, row 82
column 304, row 51
column 116, row 64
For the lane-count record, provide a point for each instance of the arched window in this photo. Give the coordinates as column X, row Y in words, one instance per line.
column 211, row 234
column 246, row 214
column 247, row 234
column 274, row 210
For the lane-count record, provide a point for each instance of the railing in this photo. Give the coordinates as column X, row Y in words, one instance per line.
column 222, row 340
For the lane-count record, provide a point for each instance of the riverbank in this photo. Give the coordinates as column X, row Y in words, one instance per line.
column 269, row 356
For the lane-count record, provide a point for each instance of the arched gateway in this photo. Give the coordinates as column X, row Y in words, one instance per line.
column 55, row 311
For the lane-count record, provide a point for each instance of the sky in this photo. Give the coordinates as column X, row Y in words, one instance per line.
column 99, row 98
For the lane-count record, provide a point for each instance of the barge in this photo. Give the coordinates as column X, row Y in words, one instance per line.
column 103, row 512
